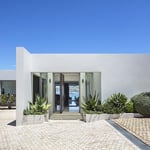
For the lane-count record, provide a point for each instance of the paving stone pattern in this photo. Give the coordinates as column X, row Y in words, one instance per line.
column 140, row 127
column 63, row 135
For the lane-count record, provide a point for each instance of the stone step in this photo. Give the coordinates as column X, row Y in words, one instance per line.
column 66, row 116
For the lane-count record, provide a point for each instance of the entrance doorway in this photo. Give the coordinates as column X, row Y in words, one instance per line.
column 66, row 92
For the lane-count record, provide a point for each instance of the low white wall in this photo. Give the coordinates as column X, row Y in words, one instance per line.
column 9, row 114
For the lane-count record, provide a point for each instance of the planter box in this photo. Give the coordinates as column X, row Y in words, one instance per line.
column 96, row 117
column 130, row 115
column 46, row 117
column 34, row 119
column 114, row 116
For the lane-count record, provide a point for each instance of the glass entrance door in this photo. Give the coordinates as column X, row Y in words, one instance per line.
column 66, row 92
column 59, row 92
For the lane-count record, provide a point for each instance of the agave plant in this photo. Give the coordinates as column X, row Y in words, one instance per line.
column 40, row 107
column 92, row 104
column 115, row 103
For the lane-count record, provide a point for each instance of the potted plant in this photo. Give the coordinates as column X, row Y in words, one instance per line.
column 91, row 108
column 36, row 113
column 110, row 109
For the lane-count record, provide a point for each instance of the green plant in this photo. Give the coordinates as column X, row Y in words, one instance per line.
column 3, row 99
column 40, row 107
column 142, row 103
column 129, row 107
column 107, row 108
column 92, row 104
column 115, row 104
column 7, row 99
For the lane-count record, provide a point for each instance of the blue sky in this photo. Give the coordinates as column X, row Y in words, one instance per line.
column 73, row 26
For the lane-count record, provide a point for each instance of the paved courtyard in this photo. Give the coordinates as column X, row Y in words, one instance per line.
column 140, row 127
column 62, row 135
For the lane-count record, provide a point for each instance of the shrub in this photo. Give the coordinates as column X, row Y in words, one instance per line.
column 7, row 99
column 115, row 104
column 3, row 99
column 107, row 108
column 129, row 107
column 92, row 104
column 40, row 107
column 135, row 97
column 142, row 103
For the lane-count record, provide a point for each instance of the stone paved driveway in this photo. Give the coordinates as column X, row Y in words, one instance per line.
column 140, row 127
column 63, row 135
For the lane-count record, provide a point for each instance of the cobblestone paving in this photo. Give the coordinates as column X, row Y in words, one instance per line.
column 140, row 127
column 63, row 135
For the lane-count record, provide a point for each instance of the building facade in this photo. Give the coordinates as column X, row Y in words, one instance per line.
column 66, row 79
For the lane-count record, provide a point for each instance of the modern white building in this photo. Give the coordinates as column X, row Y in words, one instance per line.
column 66, row 78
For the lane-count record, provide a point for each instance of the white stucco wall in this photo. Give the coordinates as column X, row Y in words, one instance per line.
column 51, row 96
column 97, row 83
column 82, row 87
column 128, row 74
column 7, row 74
column 125, row 73
column 23, row 82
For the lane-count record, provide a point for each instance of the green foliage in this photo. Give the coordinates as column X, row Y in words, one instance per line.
column 7, row 99
column 129, row 107
column 92, row 104
column 142, row 103
column 141, row 94
column 115, row 104
column 108, row 108
column 40, row 107
column 11, row 99
column 3, row 99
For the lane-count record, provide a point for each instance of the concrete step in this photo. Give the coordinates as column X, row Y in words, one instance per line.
column 66, row 116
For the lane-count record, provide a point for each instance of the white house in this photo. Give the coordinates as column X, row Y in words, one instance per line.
column 57, row 75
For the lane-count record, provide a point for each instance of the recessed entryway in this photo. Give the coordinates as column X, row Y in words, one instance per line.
column 67, row 92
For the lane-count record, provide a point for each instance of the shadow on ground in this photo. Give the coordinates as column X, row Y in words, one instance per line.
column 12, row 123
